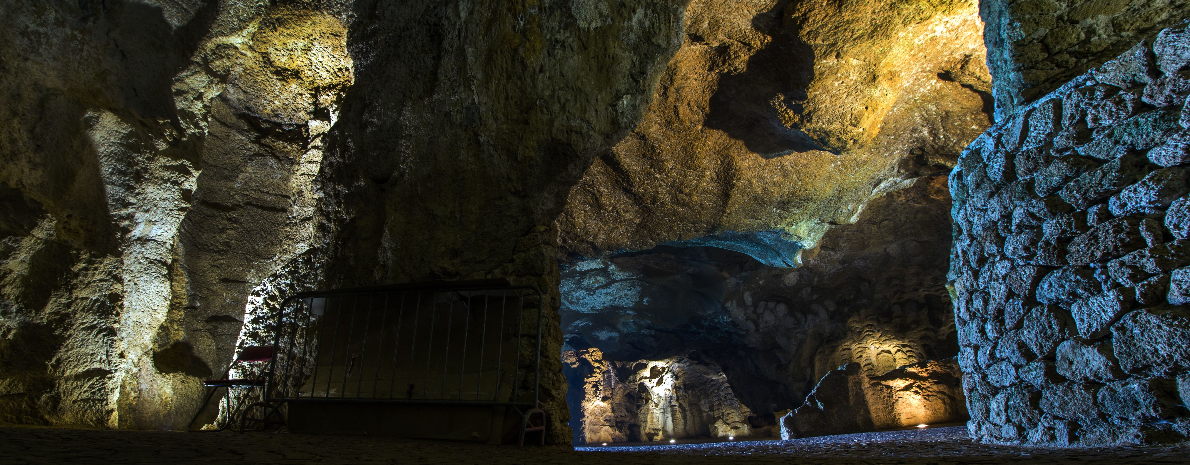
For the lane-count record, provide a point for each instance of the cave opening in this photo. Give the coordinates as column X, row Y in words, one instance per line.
column 706, row 343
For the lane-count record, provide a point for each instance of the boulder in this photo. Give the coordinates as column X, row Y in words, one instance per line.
column 1104, row 181
column 1177, row 218
column 1081, row 362
column 1070, row 400
column 1094, row 315
column 1105, row 241
column 1067, row 284
column 1139, row 398
column 1154, row 339
column 1153, row 193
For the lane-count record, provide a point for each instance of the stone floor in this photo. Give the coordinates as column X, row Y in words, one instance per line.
column 25, row 445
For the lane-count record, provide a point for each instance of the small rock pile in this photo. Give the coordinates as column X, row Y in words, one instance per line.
column 1070, row 268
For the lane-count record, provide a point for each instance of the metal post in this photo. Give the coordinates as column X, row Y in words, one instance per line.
column 466, row 331
column 350, row 336
column 450, row 317
column 364, row 348
column 334, row 343
column 380, row 343
column 482, row 342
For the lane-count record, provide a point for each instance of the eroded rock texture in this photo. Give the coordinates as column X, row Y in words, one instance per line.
column 1068, row 259
column 651, row 400
column 171, row 171
column 125, row 273
column 874, row 295
column 1036, row 46
column 778, row 119
column 848, row 400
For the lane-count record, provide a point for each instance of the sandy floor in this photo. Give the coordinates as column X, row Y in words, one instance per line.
column 934, row 445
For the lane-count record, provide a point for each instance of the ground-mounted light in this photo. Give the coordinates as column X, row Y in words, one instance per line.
column 731, row 438
column 923, row 425
column 673, row 441
column 605, row 444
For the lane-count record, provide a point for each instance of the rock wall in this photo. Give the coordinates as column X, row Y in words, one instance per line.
column 848, row 400
column 172, row 169
column 1036, row 46
column 126, row 274
column 467, row 124
column 651, row 400
column 1070, row 258
column 775, row 332
column 770, row 126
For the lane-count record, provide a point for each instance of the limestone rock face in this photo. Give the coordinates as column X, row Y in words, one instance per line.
column 776, row 120
column 847, row 400
column 1102, row 334
column 1035, row 47
column 126, row 274
column 466, row 125
column 776, row 332
column 649, row 401
column 171, row 170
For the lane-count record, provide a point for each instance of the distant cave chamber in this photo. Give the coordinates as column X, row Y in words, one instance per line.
column 705, row 343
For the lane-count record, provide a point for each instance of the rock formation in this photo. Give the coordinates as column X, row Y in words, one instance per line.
column 770, row 125
column 1035, row 47
column 768, row 129
column 775, row 331
column 650, row 401
column 1068, row 258
column 848, row 400
column 172, row 169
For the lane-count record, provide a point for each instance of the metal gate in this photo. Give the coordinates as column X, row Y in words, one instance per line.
column 466, row 343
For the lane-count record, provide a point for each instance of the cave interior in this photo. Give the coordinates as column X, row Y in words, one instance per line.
column 762, row 219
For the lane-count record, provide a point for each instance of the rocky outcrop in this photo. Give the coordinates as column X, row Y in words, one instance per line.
column 172, row 169
column 126, row 274
column 847, row 400
column 466, row 126
column 650, row 401
column 1035, row 47
column 770, row 125
column 1068, row 259
column 774, row 331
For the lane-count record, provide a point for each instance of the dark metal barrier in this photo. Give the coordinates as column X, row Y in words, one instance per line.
column 467, row 343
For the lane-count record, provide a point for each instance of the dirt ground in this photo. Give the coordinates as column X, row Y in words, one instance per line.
column 948, row 445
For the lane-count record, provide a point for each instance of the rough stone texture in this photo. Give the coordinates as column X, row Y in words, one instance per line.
column 847, row 400
column 774, row 331
column 172, row 169
column 652, row 401
column 913, row 446
column 1035, row 47
column 159, row 166
column 1106, row 331
column 771, row 124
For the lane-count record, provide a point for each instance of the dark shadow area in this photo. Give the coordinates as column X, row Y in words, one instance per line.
column 742, row 106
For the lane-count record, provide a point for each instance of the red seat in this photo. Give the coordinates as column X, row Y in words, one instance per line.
column 245, row 359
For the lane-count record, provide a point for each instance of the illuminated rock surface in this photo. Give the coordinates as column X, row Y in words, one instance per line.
column 775, row 332
column 1069, row 296
column 170, row 171
column 653, row 401
column 849, row 400
column 1035, row 47
column 771, row 124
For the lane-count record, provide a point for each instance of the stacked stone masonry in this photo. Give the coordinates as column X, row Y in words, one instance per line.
column 1070, row 269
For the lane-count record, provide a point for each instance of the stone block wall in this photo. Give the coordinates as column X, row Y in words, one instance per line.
column 1070, row 269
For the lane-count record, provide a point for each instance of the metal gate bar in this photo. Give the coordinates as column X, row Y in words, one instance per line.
column 326, row 340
